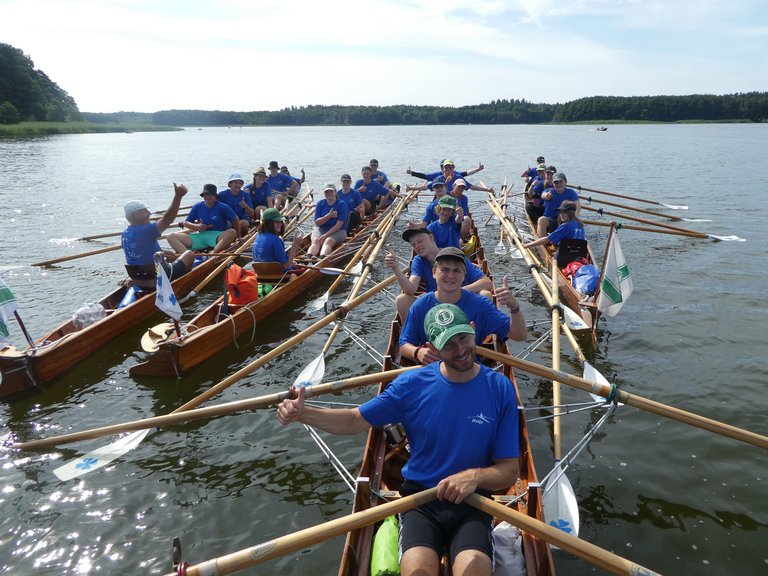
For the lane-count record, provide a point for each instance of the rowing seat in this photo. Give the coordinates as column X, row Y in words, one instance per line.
column 269, row 271
column 569, row 250
column 142, row 275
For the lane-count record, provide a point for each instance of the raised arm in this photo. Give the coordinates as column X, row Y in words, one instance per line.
column 179, row 190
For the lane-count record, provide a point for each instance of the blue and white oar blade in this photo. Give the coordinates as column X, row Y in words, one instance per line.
column 573, row 320
column 593, row 375
column 100, row 457
column 561, row 510
column 313, row 372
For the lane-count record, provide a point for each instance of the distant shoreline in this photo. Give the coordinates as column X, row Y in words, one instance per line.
column 56, row 128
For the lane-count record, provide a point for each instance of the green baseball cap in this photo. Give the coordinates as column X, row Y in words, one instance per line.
column 272, row 214
column 446, row 202
column 445, row 321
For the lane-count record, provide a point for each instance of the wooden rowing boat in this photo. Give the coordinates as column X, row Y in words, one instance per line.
column 385, row 453
column 582, row 304
column 28, row 370
column 210, row 331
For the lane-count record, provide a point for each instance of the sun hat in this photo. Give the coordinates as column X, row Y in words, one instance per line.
column 411, row 232
column 208, row 189
column 235, row 176
column 446, row 202
column 134, row 206
column 272, row 214
column 329, row 186
column 559, row 176
column 260, row 170
column 274, row 164
column 445, row 321
column 460, row 182
column 567, row 206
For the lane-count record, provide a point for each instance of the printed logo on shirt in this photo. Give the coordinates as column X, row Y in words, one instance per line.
column 481, row 419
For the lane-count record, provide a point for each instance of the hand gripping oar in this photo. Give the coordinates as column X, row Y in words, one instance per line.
column 248, row 557
column 670, row 206
column 91, row 462
column 593, row 554
column 168, row 420
column 692, row 233
column 559, row 501
column 611, row 392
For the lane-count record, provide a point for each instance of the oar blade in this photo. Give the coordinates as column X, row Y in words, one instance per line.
column 100, row 457
column 673, row 206
column 726, row 238
column 593, row 375
column 500, row 248
column 313, row 372
column 319, row 302
column 561, row 510
column 573, row 320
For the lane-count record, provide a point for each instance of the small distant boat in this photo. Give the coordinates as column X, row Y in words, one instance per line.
column 601, row 128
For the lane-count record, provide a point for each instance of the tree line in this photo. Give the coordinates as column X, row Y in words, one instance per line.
column 28, row 94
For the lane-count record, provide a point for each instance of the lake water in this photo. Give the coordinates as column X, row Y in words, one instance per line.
column 663, row 494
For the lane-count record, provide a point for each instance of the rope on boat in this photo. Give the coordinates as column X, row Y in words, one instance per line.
column 346, row 476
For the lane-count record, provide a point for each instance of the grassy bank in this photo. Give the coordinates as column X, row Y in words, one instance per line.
column 48, row 128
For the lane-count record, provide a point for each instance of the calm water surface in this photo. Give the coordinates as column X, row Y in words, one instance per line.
column 665, row 495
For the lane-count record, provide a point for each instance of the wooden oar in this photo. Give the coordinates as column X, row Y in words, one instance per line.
column 113, row 451
column 670, row 206
column 646, row 404
column 164, row 211
column 83, row 254
column 581, row 548
column 645, row 229
column 168, row 420
column 559, row 501
column 237, row 561
column 666, row 226
column 591, row 200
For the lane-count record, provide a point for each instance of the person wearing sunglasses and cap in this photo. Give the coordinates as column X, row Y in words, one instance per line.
column 457, row 394
column 140, row 242
column 432, row 175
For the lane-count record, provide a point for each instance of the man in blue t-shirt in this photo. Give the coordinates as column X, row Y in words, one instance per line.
column 214, row 225
column 354, row 202
column 425, row 253
column 451, row 226
column 449, row 275
column 478, row 406
column 553, row 198
column 239, row 200
column 283, row 186
column 139, row 241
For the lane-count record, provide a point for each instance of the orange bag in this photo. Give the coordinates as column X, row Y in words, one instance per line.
column 242, row 285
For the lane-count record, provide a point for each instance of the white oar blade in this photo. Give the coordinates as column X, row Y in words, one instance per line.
column 100, row 457
column 319, row 302
column 561, row 510
column 313, row 372
column 500, row 248
column 673, row 206
column 573, row 320
column 696, row 219
column 357, row 268
column 593, row 375
column 726, row 238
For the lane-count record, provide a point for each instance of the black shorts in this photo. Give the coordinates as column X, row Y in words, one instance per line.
column 551, row 225
column 174, row 270
column 442, row 525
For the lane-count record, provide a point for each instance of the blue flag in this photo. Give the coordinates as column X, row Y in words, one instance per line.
column 165, row 299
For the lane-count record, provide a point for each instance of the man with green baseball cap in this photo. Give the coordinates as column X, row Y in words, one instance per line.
column 269, row 245
column 479, row 408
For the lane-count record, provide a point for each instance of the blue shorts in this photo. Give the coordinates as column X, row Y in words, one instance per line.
column 174, row 270
column 442, row 525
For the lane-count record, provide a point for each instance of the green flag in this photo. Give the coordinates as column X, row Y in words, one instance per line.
column 617, row 281
column 7, row 308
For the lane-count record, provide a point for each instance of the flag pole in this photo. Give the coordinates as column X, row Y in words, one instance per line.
column 611, row 232
column 24, row 330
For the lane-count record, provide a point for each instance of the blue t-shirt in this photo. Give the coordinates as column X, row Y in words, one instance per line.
column 380, row 177
column 433, row 175
column 342, row 211
column 449, row 185
column 140, row 243
column 464, row 203
column 480, row 414
column 258, row 195
column 421, row 267
column 226, row 197
column 280, row 182
column 487, row 318
column 373, row 191
column 570, row 229
column 446, row 234
column 220, row 215
column 269, row 247
column 551, row 205
column 352, row 198
column 430, row 214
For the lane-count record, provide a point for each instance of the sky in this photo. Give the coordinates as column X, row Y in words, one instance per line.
column 244, row 55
